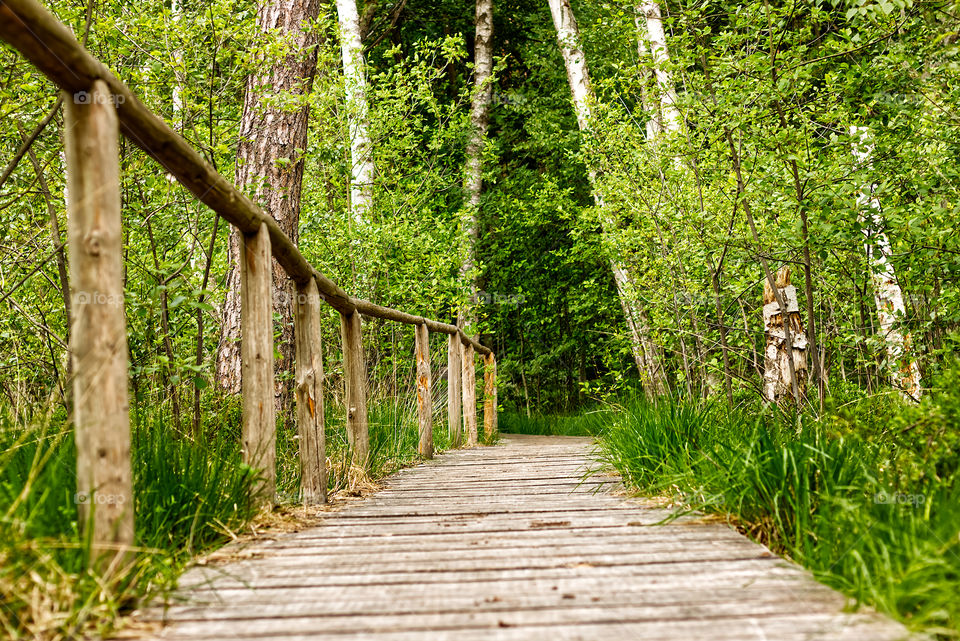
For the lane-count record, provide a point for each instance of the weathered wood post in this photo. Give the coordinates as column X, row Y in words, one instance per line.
column 98, row 338
column 424, row 390
column 309, row 393
column 469, row 395
column 489, row 395
column 355, row 390
column 455, row 429
column 256, row 366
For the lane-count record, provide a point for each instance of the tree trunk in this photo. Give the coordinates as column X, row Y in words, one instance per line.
column 479, row 118
column 901, row 361
column 355, row 81
column 270, row 169
column 645, row 355
column 668, row 118
column 777, row 373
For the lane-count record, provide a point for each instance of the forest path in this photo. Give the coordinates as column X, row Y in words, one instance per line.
column 509, row 542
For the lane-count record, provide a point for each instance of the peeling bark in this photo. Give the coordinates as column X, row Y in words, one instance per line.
column 777, row 384
column 270, row 170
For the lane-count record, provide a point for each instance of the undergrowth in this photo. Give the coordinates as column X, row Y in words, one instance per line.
column 866, row 496
column 191, row 495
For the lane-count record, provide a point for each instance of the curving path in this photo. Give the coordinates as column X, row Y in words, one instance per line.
column 509, row 543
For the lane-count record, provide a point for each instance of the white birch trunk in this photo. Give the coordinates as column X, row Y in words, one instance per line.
column 668, row 120
column 479, row 118
column 355, row 81
column 176, row 12
column 645, row 354
column 904, row 370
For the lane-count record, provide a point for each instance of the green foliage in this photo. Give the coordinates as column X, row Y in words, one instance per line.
column 587, row 423
column 864, row 516
column 189, row 496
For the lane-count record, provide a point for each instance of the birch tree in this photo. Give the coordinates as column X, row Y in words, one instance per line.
column 645, row 353
column 904, row 370
column 667, row 118
column 479, row 119
column 355, row 81
column 270, row 168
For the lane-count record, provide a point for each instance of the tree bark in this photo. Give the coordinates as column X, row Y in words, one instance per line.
column 270, row 169
column 668, row 118
column 901, row 361
column 780, row 326
column 645, row 355
column 479, row 119
column 355, row 81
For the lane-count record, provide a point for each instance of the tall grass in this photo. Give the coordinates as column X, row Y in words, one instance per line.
column 588, row 423
column 864, row 515
column 188, row 496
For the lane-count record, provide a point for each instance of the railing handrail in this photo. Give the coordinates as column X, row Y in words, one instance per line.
column 98, row 347
column 53, row 49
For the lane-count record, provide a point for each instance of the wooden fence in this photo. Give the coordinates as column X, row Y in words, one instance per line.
column 97, row 107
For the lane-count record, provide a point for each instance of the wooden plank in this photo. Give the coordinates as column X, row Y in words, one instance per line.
column 424, row 391
column 256, row 356
column 355, row 393
column 236, row 576
column 523, row 593
column 809, row 627
column 449, row 612
column 98, row 338
column 454, row 358
column 567, row 566
column 309, row 393
column 469, row 379
column 705, row 615
column 489, row 395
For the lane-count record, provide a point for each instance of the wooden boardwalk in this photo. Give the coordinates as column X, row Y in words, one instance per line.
column 509, row 543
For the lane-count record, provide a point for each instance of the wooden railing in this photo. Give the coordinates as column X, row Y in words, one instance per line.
column 97, row 106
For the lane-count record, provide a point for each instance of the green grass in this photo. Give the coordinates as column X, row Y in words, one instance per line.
column 865, row 513
column 190, row 496
column 588, row 423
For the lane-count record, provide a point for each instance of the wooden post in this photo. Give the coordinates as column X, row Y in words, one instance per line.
column 469, row 395
column 309, row 393
column 489, row 395
column 98, row 338
column 424, row 391
column 355, row 390
column 453, row 390
column 256, row 355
